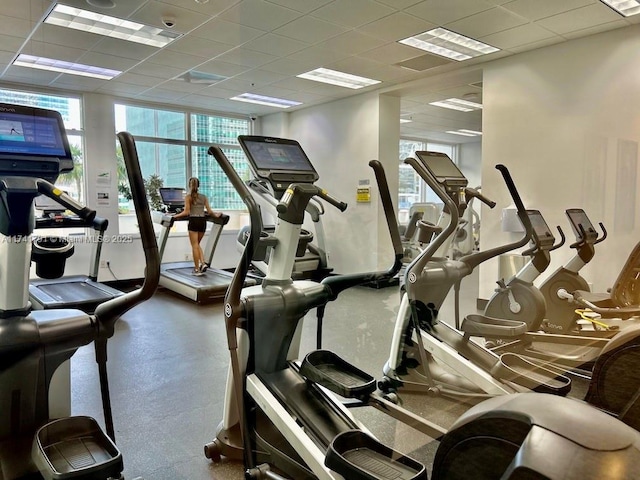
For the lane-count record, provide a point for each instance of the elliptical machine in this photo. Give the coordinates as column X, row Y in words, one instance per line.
column 472, row 369
column 34, row 343
column 285, row 415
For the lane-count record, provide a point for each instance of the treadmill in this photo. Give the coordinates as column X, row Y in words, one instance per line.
column 52, row 290
column 177, row 276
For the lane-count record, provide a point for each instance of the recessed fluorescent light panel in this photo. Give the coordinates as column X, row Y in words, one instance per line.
column 340, row 79
column 458, row 104
column 263, row 100
column 465, row 133
column 92, row 22
column 446, row 43
column 624, row 7
column 51, row 64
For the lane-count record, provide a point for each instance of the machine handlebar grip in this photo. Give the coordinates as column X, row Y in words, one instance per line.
column 342, row 206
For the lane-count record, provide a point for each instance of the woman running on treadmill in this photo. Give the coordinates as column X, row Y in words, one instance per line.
column 196, row 208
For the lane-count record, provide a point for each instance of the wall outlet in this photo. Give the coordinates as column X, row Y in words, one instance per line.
column 103, row 263
column 188, row 257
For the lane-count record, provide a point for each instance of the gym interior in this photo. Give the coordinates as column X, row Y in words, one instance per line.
column 545, row 89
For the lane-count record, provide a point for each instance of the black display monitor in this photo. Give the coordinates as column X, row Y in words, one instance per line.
column 442, row 168
column 173, row 197
column 33, row 143
column 581, row 225
column 277, row 160
column 541, row 231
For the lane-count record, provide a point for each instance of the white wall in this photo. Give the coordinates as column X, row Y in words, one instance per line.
column 470, row 162
column 565, row 120
column 340, row 139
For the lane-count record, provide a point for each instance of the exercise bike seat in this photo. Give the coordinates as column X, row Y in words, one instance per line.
column 477, row 325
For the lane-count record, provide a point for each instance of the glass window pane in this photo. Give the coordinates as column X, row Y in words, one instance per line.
column 214, row 183
column 218, row 130
column 73, row 182
column 69, row 108
column 149, row 122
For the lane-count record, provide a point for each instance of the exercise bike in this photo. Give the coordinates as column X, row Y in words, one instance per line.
column 472, row 369
column 290, row 425
column 35, row 343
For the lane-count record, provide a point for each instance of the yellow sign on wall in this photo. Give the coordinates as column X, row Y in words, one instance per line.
column 363, row 195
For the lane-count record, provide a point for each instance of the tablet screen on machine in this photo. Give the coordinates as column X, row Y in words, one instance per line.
column 267, row 153
column 540, row 228
column 577, row 217
column 27, row 131
column 441, row 167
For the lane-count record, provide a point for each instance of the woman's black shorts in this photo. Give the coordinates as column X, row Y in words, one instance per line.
column 197, row 224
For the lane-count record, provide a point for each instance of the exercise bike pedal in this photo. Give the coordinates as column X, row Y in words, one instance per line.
column 332, row 372
column 358, row 456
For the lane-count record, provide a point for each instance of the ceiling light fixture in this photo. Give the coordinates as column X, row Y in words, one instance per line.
column 460, row 132
column 264, row 100
column 97, row 23
column 446, row 43
column 51, row 64
column 458, row 104
column 470, row 132
column 194, row 76
column 341, row 79
column 405, row 120
column 624, row 7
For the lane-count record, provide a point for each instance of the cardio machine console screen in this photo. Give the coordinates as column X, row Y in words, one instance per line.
column 279, row 161
column 578, row 218
column 442, row 168
column 29, row 135
column 172, row 197
column 541, row 230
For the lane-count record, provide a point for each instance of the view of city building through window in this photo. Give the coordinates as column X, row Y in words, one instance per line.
column 168, row 152
column 70, row 109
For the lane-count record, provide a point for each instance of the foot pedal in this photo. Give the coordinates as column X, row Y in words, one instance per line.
column 329, row 370
column 74, row 448
column 519, row 370
column 357, row 456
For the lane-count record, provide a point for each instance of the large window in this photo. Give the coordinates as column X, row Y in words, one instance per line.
column 172, row 147
column 69, row 108
column 411, row 188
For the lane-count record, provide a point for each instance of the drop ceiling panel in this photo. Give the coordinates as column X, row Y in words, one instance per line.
column 486, row 23
column 272, row 43
column 247, row 58
column 543, row 8
column 154, row 70
column 400, row 4
column 25, row 9
column 259, row 14
column 176, row 59
column 597, row 29
column 121, row 89
column 423, row 62
column 303, row 6
column 353, row 13
column 198, row 46
column 260, row 78
column 162, row 95
column 311, row 30
column 50, row 50
column 393, row 53
column 289, row 66
column 211, row 7
column 353, row 42
column 141, row 80
column 17, row 27
column 182, row 86
column 579, row 19
column 152, row 13
column 30, row 75
column 122, row 48
column 227, row 32
column 218, row 67
column 518, row 36
column 319, row 56
column 8, row 42
column 396, row 27
column 442, row 12
column 107, row 61
column 66, row 36
column 72, row 82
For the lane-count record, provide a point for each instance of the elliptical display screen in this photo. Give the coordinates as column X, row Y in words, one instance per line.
column 278, row 161
column 578, row 218
column 441, row 167
column 172, row 196
column 29, row 135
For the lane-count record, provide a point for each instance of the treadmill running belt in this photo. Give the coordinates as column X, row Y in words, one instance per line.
column 77, row 291
column 210, row 278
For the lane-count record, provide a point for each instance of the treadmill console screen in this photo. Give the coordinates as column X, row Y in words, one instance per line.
column 442, row 168
column 278, row 160
column 541, row 230
column 172, row 197
column 33, row 142
column 578, row 218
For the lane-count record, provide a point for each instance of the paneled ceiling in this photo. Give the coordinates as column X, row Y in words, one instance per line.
column 261, row 45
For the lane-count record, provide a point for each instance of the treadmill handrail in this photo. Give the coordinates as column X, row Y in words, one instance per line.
column 168, row 220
